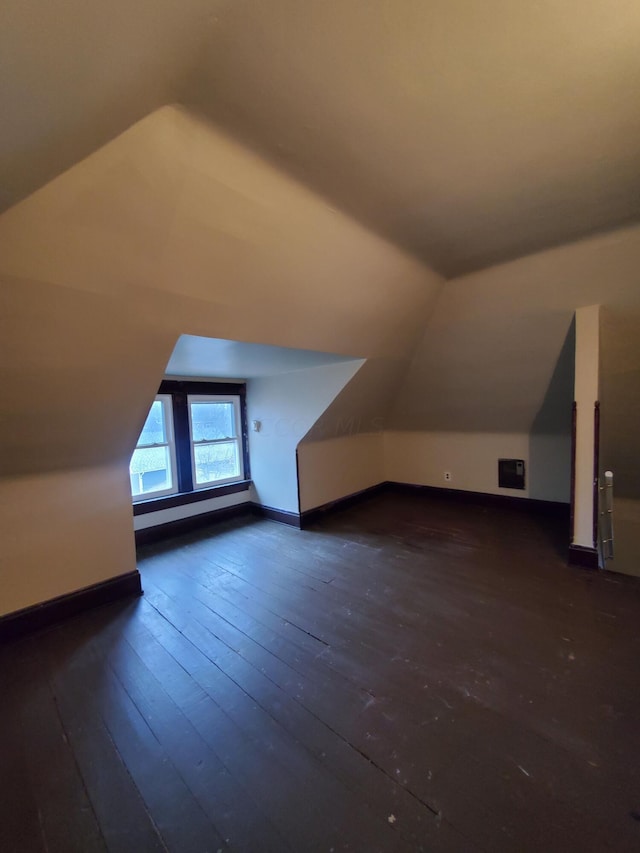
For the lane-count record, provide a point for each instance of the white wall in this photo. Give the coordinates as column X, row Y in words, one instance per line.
column 339, row 467
column 162, row 516
column 287, row 406
column 586, row 396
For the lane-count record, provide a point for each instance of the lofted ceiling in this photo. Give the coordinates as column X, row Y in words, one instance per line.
column 74, row 74
column 196, row 356
column 467, row 132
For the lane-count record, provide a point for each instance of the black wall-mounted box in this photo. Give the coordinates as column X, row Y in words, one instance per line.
column 511, row 473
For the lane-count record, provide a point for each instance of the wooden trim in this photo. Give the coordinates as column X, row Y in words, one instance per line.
column 586, row 558
column 556, row 508
column 47, row 613
column 183, row 499
column 182, row 438
column 179, row 390
column 204, row 386
column 40, row 616
column 483, row 498
column 596, row 469
column 244, row 428
column 283, row 516
column 572, row 499
column 168, row 529
column 298, row 482
column 310, row 516
column 305, row 519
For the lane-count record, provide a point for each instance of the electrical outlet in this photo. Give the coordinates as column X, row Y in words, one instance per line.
column 447, row 475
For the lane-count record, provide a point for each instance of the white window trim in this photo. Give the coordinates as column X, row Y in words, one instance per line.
column 217, row 398
column 167, row 406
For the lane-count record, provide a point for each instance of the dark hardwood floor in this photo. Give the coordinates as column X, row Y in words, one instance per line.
column 411, row 674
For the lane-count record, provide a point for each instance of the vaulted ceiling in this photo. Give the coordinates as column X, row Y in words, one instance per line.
column 467, row 132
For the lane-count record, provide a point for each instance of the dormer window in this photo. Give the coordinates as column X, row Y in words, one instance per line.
column 194, row 439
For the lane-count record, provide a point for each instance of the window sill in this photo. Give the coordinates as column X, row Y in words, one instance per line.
column 183, row 498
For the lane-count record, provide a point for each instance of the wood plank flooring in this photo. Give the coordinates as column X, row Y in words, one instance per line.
column 409, row 675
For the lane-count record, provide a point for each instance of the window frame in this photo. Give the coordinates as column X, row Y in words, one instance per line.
column 179, row 391
column 234, row 399
column 170, row 444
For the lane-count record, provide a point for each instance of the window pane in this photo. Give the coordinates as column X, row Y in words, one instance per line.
column 211, row 421
column 153, row 431
column 216, row 462
column 150, row 470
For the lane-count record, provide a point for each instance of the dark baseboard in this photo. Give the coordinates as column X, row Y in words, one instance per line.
column 310, row 516
column 302, row 520
column 293, row 519
column 169, row 529
column 586, row 558
column 38, row 616
column 554, row 508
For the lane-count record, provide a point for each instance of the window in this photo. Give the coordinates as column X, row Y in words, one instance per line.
column 193, row 444
column 216, row 455
column 153, row 465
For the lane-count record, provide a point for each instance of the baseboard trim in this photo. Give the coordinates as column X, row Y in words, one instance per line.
column 554, row 508
column 43, row 615
column 310, row 516
column 169, row 529
column 293, row 519
column 39, row 616
column 302, row 520
column 483, row 498
column 586, row 558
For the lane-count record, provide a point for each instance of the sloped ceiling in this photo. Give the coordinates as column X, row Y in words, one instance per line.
column 172, row 229
column 467, row 132
column 74, row 74
column 197, row 356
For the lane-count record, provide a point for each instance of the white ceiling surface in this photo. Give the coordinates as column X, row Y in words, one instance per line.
column 201, row 357
column 468, row 132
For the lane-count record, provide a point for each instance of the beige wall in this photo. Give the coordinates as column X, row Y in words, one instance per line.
column 494, row 354
column 334, row 468
column 63, row 531
column 172, row 228
column 497, row 357
column 338, row 467
column 422, row 458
